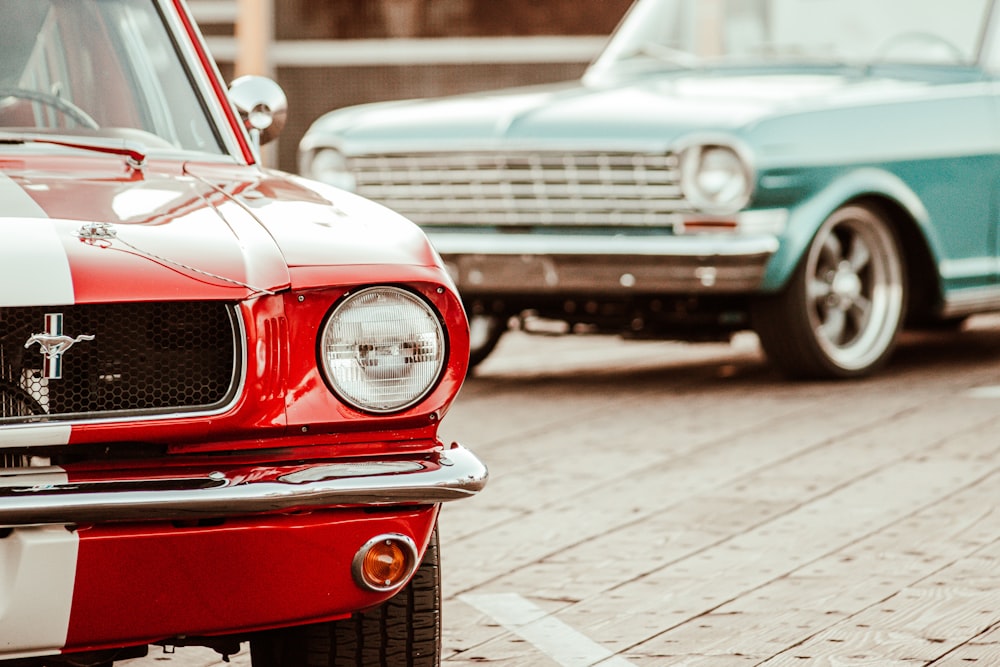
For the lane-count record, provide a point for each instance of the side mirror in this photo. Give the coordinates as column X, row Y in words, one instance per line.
column 262, row 106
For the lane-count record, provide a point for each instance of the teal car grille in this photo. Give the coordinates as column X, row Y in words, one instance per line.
column 526, row 189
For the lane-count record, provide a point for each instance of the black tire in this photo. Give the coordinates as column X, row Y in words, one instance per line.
column 403, row 632
column 485, row 332
column 842, row 311
column 945, row 325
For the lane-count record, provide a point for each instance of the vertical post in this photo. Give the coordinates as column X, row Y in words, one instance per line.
column 254, row 34
column 254, row 31
column 711, row 23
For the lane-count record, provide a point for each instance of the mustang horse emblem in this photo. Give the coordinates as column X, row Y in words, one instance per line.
column 53, row 344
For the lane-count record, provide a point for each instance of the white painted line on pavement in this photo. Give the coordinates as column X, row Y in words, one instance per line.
column 984, row 392
column 551, row 636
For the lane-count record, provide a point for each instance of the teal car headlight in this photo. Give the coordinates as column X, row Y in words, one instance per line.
column 715, row 178
column 382, row 349
column 328, row 165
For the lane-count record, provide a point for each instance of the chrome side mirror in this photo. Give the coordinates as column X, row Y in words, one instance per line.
column 262, row 106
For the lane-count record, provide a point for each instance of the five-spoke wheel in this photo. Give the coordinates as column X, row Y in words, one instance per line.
column 843, row 308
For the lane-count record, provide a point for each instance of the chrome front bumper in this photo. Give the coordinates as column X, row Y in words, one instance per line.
column 32, row 496
column 549, row 263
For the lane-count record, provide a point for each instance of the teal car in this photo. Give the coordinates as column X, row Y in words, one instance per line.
column 822, row 172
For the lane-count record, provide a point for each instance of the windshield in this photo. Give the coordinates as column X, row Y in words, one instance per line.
column 98, row 68
column 695, row 33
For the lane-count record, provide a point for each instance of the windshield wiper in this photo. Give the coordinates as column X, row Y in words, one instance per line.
column 134, row 155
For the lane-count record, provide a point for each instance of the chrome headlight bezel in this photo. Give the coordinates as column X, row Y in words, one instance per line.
column 379, row 361
column 716, row 176
column 328, row 165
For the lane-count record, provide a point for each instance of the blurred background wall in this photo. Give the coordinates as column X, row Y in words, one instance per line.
column 328, row 54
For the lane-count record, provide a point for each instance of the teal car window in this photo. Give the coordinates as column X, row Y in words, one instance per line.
column 689, row 33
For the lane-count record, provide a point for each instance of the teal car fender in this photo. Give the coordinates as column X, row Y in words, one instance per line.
column 806, row 216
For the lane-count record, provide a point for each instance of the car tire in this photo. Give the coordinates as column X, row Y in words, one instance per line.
column 842, row 310
column 484, row 334
column 404, row 631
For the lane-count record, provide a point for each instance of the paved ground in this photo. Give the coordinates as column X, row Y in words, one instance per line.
column 665, row 504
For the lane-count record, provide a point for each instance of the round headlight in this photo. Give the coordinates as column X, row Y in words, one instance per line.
column 382, row 349
column 715, row 178
column 329, row 166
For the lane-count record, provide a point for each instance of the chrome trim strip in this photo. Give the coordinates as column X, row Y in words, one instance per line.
column 971, row 301
column 46, row 497
column 977, row 269
column 201, row 80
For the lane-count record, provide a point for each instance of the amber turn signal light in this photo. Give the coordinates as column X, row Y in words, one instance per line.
column 385, row 562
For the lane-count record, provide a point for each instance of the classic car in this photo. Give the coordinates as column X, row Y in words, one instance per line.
column 822, row 172
column 220, row 384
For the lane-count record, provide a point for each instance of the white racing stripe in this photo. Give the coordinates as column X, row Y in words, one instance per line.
column 32, row 435
column 37, row 575
column 35, row 269
column 16, row 202
column 37, row 563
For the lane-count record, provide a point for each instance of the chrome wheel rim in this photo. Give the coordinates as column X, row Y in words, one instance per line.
column 854, row 290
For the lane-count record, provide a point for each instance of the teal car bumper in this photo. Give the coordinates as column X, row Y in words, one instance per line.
column 515, row 263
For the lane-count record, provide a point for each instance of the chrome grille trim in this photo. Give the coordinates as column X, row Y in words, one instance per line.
column 14, row 460
column 526, row 188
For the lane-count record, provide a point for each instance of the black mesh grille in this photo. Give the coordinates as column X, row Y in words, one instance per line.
column 144, row 358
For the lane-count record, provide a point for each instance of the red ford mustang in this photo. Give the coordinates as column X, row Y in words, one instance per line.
column 220, row 385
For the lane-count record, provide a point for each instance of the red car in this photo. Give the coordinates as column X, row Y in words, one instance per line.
column 220, row 385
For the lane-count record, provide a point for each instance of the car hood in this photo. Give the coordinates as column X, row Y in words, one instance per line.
column 79, row 232
column 650, row 112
